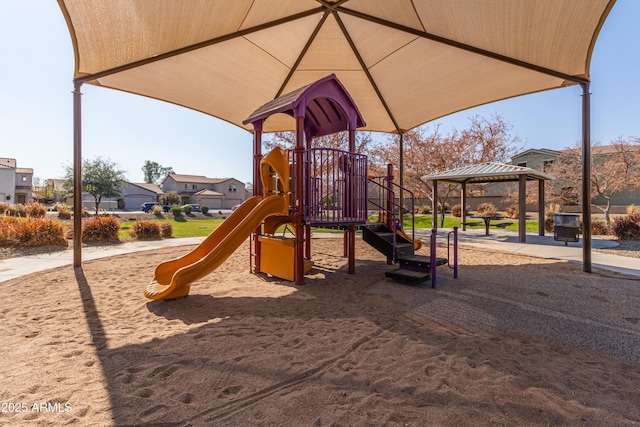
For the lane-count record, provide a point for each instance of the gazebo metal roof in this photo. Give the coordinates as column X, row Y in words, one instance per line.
column 487, row 172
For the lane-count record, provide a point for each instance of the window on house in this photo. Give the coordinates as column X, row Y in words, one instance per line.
column 233, row 188
column 522, row 164
column 194, row 187
column 186, row 186
column 24, row 178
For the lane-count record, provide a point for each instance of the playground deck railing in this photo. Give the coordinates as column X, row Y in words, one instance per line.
column 383, row 196
column 336, row 187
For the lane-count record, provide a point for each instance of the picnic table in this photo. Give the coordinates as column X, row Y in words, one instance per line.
column 487, row 221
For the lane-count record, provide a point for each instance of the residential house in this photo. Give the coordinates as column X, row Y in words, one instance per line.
column 55, row 190
column 135, row 194
column 15, row 183
column 217, row 193
column 132, row 196
column 542, row 159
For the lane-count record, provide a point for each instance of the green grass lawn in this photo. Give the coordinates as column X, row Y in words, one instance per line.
column 425, row 221
column 188, row 227
column 182, row 228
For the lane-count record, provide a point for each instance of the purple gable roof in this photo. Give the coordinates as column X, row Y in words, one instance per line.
column 325, row 105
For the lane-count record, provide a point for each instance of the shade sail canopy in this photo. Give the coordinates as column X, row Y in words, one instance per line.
column 487, row 172
column 403, row 62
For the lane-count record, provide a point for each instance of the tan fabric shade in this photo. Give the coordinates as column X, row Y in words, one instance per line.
column 404, row 62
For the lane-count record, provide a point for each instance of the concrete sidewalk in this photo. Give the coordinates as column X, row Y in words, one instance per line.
column 542, row 246
column 502, row 240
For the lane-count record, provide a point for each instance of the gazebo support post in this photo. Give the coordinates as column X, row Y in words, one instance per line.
column 522, row 208
column 77, row 175
column 463, row 202
column 586, row 178
column 541, row 207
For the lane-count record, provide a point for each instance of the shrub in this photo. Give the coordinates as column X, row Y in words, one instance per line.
column 7, row 230
column 64, row 213
column 204, row 209
column 101, row 228
column 187, row 209
column 423, row 210
column 176, row 210
column 16, row 210
column 145, row 230
column 166, row 230
column 456, row 211
column 633, row 209
column 32, row 232
column 511, row 212
column 46, row 232
column 486, row 209
column 3, row 208
column 36, row 210
column 625, row 228
column 157, row 210
column 599, row 228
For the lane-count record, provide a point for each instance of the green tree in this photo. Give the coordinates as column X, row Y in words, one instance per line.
column 155, row 173
column 170, row 198
column 100, row 178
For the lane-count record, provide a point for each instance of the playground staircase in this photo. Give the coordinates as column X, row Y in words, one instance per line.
column 383, row 240
column 412, row 268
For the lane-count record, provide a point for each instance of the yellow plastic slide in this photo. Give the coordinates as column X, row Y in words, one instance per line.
column 173, row 278
column 417, row 244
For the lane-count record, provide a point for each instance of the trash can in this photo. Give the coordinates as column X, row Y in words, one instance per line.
column 566, row 227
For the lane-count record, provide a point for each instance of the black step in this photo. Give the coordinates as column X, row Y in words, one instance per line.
column 381, row 238
column 408, row 276
column 419, row 261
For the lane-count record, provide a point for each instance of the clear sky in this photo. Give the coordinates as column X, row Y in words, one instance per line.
column 36, row 126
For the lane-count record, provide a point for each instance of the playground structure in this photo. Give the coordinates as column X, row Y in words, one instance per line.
column 304, row 188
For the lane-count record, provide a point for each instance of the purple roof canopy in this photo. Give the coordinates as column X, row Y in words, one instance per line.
column 325, row 105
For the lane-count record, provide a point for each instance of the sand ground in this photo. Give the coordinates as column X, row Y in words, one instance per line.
column 514, row 340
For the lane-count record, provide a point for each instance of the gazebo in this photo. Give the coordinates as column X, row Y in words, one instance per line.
column 493, row 172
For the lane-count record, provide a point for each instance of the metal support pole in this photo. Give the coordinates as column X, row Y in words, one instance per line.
column 401, row 179
column 522, row 209
column 541, row 207
column 77, row 175
column 434, row 204
column 586, row 178
column 257, row 191
column 463, row 203
column 299, row 198
column 351, row 230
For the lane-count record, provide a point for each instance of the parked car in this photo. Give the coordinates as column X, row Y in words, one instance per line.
column 194, row 208
column 148, row 207
column 236, row 207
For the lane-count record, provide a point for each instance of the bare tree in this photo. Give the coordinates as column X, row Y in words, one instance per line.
column 426, row 151
column 614, row 168
column 339, row 141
